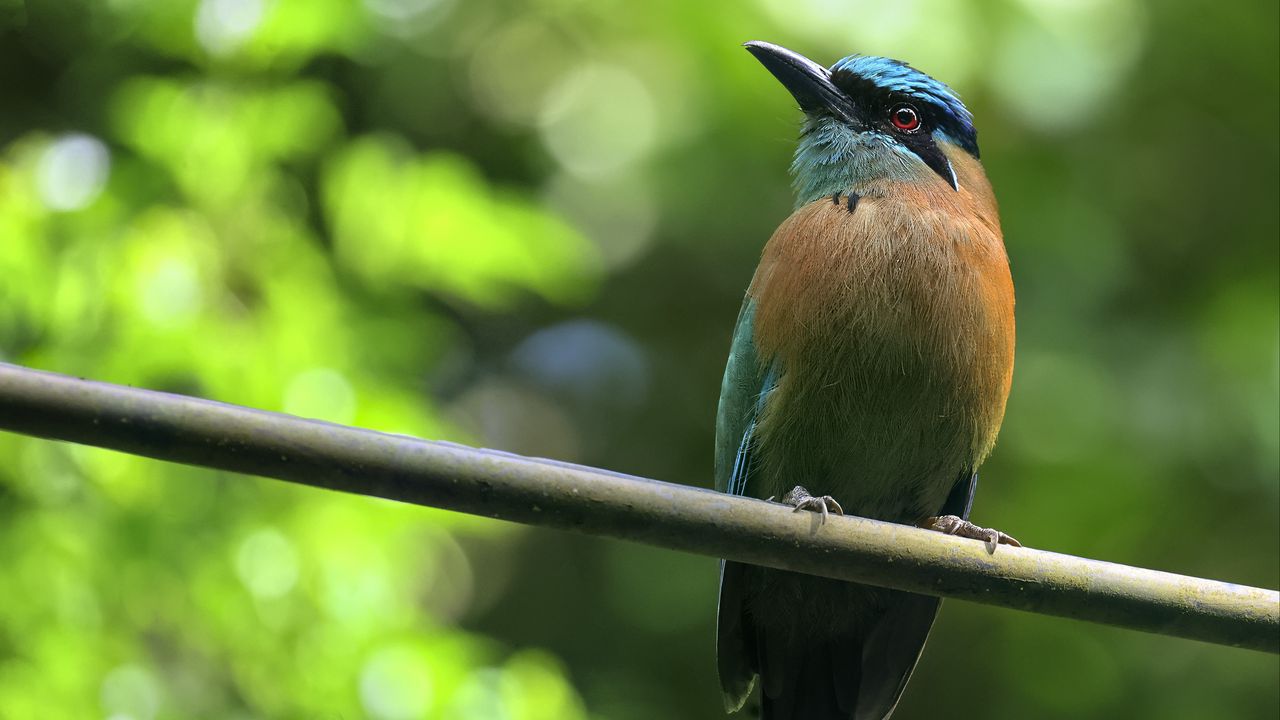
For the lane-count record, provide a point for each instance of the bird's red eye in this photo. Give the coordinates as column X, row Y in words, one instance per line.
column 904, row 117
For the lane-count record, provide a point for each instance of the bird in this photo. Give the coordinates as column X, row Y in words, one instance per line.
column 868, row 374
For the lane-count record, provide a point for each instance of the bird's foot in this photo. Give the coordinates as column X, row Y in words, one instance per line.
column 952, row 525
column 800, row 499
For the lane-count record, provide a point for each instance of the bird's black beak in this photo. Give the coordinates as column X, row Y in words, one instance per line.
column 809, row 82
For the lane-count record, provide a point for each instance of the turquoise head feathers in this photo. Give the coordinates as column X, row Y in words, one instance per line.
column 868, row 118
column 876, row 78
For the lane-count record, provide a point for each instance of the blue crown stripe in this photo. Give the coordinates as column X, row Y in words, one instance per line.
column 893, row 76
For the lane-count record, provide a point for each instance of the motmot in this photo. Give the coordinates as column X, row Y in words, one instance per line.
column 867, row 374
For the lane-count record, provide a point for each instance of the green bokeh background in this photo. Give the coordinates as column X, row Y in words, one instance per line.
column 528, row 225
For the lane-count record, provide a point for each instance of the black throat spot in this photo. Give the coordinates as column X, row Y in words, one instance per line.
column 851, row 202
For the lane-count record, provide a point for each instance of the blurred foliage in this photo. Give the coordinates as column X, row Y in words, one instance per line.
column 528, row 224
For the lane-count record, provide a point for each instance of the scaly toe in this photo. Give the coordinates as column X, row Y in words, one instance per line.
column 800, row 499
column 952, row 525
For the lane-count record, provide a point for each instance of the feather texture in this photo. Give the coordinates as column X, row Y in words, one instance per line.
column 871, row 362
column 892, row 332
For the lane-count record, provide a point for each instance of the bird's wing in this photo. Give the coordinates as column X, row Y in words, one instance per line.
column 746, row 382
column 741, row 394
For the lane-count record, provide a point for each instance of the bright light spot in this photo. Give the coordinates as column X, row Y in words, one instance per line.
column 395, row 684
column 170, row 291
column 410, row 18
column 130, row 691
column 534, row 686
column 935, row 36
column 480, row 697
column 321, row 393
column 51, row 479
column 940, row 37
column 808, row 16
column 72, row 172
column 619, row 215
column 598, row 120
column 1057, row 66
column 224, row 25
column 400, row 11
column 448, row 588
column 512, row 70
column 267, row 564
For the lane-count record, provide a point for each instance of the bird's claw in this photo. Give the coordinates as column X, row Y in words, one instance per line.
column 800, row 499
column 952, row 525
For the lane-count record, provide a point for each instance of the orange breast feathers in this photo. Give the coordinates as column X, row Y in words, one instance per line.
column 908, row 295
